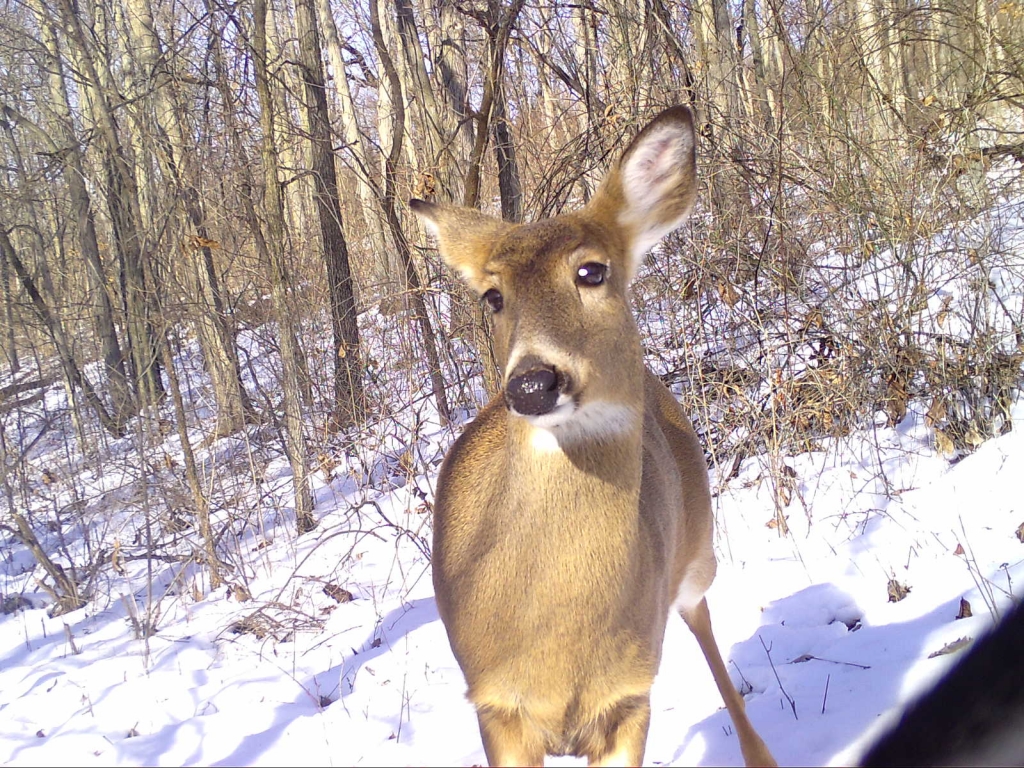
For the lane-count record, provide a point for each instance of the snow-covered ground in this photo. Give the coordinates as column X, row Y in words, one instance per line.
column 804, row 618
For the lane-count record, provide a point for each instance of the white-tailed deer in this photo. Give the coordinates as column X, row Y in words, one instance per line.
column 574, row 512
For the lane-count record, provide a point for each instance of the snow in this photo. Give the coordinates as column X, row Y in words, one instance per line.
column 373, row 682
column 287, row 674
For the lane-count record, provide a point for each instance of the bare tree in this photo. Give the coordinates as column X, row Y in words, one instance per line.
column 422, row 318
column 122, row 197
column 271, row 245
column 348, row 397
column 215, row 332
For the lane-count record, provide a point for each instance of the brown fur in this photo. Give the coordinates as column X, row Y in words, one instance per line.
column 558, row 554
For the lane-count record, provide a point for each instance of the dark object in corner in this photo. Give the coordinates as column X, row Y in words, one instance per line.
column 973, row 716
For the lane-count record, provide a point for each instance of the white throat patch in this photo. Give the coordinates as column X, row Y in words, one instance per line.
column 596, row 420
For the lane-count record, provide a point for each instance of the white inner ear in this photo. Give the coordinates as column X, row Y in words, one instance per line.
column 429, row 225
column 651, row 174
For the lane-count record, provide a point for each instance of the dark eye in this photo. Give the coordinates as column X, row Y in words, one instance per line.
column 591, row 274
column 494, row 300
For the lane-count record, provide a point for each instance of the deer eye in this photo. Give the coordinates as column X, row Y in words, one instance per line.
column 591, row 274
column 494, row 300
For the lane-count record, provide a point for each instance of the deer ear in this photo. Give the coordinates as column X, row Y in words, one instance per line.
column 651, row 190
column 465, row 237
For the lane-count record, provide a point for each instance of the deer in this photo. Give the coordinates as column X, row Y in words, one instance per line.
column 573, row 513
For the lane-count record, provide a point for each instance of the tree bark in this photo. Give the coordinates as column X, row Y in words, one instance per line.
column 69, row 155
column 123, row 202
column 349, row 407
column 355, row 148
column 497, row 23
column 272, row 247
column 510, row 187
column 440, row 133
column 11, row 346
column 215, row 333
column 394, row 223
column 202, row 504
column 448, row 46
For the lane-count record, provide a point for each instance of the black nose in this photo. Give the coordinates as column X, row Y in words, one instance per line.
column 533, row 392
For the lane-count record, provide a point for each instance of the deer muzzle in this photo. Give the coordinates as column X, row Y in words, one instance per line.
column 534, row 387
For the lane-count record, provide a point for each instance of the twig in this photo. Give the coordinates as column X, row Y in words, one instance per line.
column 71, row 639
column 825, row 697
column 746, row 687
column 810, row 657
column 768, row 653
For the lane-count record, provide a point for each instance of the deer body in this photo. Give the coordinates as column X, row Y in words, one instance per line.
column 574, row 512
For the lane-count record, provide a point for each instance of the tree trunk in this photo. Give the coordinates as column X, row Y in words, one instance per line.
column 355, row 148
column 11, row 347
column 509, row 186
column 272, row 247
column 348, row 390
column 440, row 133
column 215, row 334
column 765, row 103
column 69, row 154
column 731, row 195
column 202, row 505
column 497, row 23
column 123, row 203
column 448, row 46
column 394, row 223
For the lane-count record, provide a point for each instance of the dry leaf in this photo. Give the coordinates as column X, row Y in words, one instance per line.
column 785, row 495
column 973, row 438
column 195, row 242
column 239, row 592
column 1020, row 533
column 965, row 610
column 940, row 318
column 897, row 591
column 117, row 559
column 944, row 445
column 953, row 647
column 959, row 549
column 337, row 593
column 727, row 293
column 689, row 289
column 936, row 412
column 327, row 465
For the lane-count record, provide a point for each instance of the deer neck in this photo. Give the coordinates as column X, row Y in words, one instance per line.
column 596, row 459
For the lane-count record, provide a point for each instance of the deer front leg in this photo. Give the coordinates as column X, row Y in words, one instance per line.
column 508, row 738
column 624, row 734
column 698, row 619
